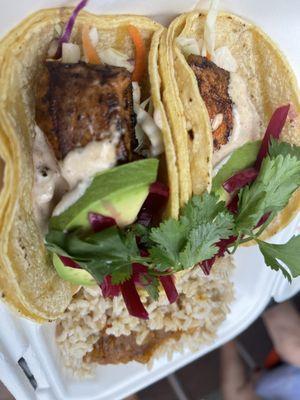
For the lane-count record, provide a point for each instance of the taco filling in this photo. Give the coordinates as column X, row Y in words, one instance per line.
column 235, row 124
column 109, row 158
column 90, row 119
column 97, row 141
column 86, row 121
column 233, row 116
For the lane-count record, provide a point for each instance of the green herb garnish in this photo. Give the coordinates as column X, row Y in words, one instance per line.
column 203, row 224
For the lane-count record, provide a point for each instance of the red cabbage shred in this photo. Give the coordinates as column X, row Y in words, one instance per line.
column 65, row 37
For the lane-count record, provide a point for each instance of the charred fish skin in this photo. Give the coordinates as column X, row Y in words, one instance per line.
column 213, row 83
column 79, row 103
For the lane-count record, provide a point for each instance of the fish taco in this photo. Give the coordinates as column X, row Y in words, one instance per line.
column 51, row 86
column 227, row 78
column 108, row 224
column 90, row 193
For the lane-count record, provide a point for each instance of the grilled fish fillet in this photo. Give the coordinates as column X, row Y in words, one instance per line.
column 79, row 103
column 213, row 83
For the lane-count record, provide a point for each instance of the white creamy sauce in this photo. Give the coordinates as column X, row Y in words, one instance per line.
column 71, row 197
column 48, row 182
column 83, row 163
column 61, row 184
column 246, row 121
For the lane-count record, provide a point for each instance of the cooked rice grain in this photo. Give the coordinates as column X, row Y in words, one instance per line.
column 202, row 306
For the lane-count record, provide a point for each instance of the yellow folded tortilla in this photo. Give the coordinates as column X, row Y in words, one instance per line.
column 270, row 83
column 28, row 280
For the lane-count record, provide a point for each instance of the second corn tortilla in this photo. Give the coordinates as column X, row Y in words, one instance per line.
column 270, row 82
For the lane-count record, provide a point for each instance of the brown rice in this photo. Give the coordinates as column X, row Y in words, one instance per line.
column 203, row 304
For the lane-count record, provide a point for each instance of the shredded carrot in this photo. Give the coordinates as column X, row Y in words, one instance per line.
column 140, row 54
column 208, row 56
column 90, row 52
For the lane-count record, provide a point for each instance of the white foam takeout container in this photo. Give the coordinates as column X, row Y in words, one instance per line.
column 255, row 285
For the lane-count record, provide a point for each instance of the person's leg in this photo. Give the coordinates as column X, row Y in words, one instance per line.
column 283, row 324
column 234, row 384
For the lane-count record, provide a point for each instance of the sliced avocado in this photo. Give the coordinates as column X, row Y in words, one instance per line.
column 118, row 193
column 242, row 158
column 74, row 275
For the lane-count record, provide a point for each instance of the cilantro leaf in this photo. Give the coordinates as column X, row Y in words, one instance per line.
column 202, row 209
column 103, row 253
column 202, row 239
column 288, row 253
column 121, row 274
column 170, row 237
column 55, row 242
column 276, row 148
column 278, row 179
column 143, row 233
column 162, row 260
column 184, row 243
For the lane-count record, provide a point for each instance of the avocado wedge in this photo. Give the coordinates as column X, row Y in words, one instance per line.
column 73, row 275
column 118, row 193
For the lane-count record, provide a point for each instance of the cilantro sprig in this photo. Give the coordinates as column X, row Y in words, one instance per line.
column 192, row 238
column 173, row 246
column 288, row 253
column 278, row 179
column 109, row 252
column 203, row 224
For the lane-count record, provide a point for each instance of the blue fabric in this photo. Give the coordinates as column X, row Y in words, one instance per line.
column 282, row 383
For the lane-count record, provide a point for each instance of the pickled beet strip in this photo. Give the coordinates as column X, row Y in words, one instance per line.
column 100, row 222
column 207, row 265
column 247, row 176
column 108, row 289
column 132, row 300
column 154, row 203
column 68, row 262
column 243, row 178
column 223, row 245
column 274, row 130
column 263, row 220
column 168, row 284
column 138, row 272
column 240, row 179
column 232, row 206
